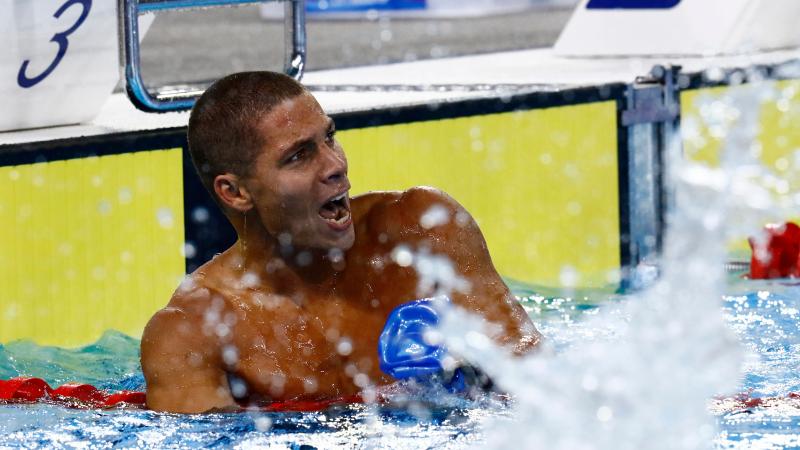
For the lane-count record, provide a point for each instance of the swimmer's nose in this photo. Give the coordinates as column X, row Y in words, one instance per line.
column 335, row 169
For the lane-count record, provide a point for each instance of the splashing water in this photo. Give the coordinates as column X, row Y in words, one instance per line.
column 644, row 380
column 647, row 386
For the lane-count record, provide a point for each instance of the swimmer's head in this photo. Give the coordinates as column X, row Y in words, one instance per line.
column 223, row 130
column 262, row 144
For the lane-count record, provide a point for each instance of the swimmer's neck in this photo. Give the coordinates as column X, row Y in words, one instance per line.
column 281, row 265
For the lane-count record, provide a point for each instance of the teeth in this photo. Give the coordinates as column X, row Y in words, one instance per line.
column 340, row 220
column 338, row 197
column 343, row 219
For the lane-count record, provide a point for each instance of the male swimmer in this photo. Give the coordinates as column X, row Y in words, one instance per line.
column 294, row 309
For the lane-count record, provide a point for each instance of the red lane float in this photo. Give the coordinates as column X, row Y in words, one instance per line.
column 23, row 389
column 34, row 390
column 31, row 389
column 744, row 402
column 781, row 258
column 126, row 397
column 310, row 405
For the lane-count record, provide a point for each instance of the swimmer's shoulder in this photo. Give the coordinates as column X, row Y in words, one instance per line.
column 421, row 198
column 208, row 283
column 181, row 326
column 363, row 205
column 179, row 352
column 175, row 320
column 410, row 200
column 188, row 304
column 404, row 210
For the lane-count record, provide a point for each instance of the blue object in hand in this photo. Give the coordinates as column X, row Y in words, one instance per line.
column 402, row 350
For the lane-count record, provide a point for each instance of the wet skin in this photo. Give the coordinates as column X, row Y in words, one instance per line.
column 294, row 309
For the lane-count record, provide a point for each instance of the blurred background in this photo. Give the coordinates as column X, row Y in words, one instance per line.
column 204, row 45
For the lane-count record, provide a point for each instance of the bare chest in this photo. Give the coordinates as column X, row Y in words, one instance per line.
column 323, row 347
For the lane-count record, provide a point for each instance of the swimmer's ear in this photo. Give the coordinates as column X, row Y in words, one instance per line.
column 232, row 192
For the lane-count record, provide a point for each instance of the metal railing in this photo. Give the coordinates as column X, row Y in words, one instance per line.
column 183, row 98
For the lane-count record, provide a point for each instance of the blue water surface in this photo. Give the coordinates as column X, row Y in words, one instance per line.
column 764, row 315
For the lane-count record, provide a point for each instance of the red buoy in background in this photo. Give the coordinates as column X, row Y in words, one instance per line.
column 780, row 257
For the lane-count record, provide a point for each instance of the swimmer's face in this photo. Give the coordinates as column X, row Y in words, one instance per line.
column 299, row 182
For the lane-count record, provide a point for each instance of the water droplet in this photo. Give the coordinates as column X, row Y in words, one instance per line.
column 332, row 334
column 165, row 218
column 200, row 214
column 604, row 414
column 590, row 382
column 125, row 196
column 65, row 248
column 303, row 258
column 104, row 207
column 12, row 310
column 222, row 330
column 230, row 354
column 361, row 380
column 573, row 208
column 335, row 254
column 98, row 273
column 568, row 276
column 477, row 340
column 238, row 388
column 263, row 423
column 250, row 280
column 189, row 250
column 402, row 256
column 310, row 385
column 435, row 215
column 344, row 347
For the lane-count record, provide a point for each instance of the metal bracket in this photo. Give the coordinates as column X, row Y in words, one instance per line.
column 649, row 122
column 184, row 98
column 653, row 98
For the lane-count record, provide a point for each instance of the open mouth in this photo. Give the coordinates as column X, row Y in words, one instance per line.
column 336, row 211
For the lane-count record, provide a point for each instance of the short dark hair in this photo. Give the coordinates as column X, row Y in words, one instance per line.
column 222, row 126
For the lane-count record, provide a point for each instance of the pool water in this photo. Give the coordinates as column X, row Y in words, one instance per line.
column 768, row 324
column 764, row 315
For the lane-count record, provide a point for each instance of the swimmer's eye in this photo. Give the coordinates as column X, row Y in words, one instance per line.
column 331, row 135
column 298, row 155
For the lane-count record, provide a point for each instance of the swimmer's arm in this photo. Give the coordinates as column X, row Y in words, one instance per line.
column 182, row 366
column 462, row 240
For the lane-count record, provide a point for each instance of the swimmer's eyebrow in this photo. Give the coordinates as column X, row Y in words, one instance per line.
column 305, row 141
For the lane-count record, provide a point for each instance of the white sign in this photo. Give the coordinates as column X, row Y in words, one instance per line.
column 59, row 61
column 679, row 27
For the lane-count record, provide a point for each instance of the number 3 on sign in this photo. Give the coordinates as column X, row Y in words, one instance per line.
column 59, row 38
